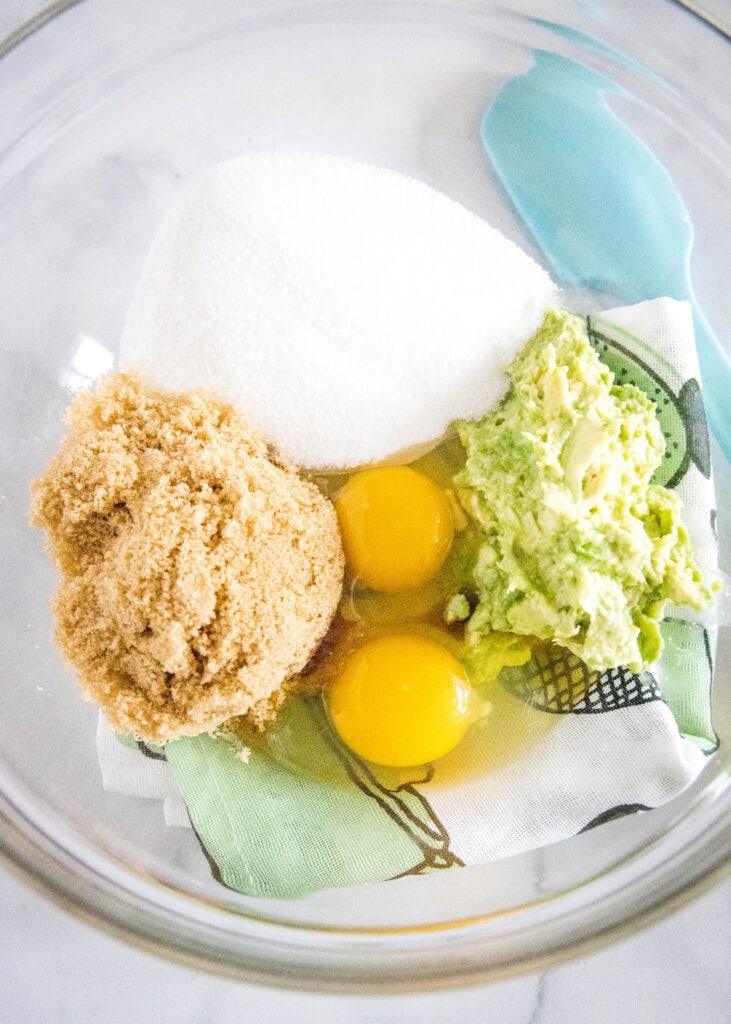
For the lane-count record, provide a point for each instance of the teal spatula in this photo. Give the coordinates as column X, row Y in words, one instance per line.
column 601, row 206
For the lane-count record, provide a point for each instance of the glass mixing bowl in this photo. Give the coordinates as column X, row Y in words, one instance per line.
column 108, row 112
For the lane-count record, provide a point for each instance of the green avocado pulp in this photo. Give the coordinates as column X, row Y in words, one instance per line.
column 576, row 544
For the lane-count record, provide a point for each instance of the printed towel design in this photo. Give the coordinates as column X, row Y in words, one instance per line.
column 563, row 749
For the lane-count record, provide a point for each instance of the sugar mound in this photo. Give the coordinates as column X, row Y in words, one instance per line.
column 347, row 310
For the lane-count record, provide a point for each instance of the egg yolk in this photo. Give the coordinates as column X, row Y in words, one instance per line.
column 396, row 525
column 401, row 701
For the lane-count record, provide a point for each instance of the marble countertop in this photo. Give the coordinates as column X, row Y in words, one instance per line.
column 53, row 968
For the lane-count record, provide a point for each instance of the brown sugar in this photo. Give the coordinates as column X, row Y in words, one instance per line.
column 200, row 571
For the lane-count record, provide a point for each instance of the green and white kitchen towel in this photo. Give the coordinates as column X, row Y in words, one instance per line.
column 560, row 750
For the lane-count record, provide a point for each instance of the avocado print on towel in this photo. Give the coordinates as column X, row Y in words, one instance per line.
column 308, row 814
column 401, row 801
column 679, row 402
column 685, row 676
column 557, row 681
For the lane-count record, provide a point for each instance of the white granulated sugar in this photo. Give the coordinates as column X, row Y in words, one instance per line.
column 348, row 311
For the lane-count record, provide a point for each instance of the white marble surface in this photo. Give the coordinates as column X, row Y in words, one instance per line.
column 55, row 969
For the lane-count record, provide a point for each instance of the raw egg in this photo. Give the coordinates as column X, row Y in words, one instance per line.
column 401, row 700
column 396, row 525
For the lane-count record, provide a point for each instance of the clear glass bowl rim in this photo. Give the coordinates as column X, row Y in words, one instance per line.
column 676, row 868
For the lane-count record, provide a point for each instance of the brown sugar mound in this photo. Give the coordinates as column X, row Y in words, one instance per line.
column 200, row 572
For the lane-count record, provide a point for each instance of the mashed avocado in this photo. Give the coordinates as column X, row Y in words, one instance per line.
column 576, row 545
